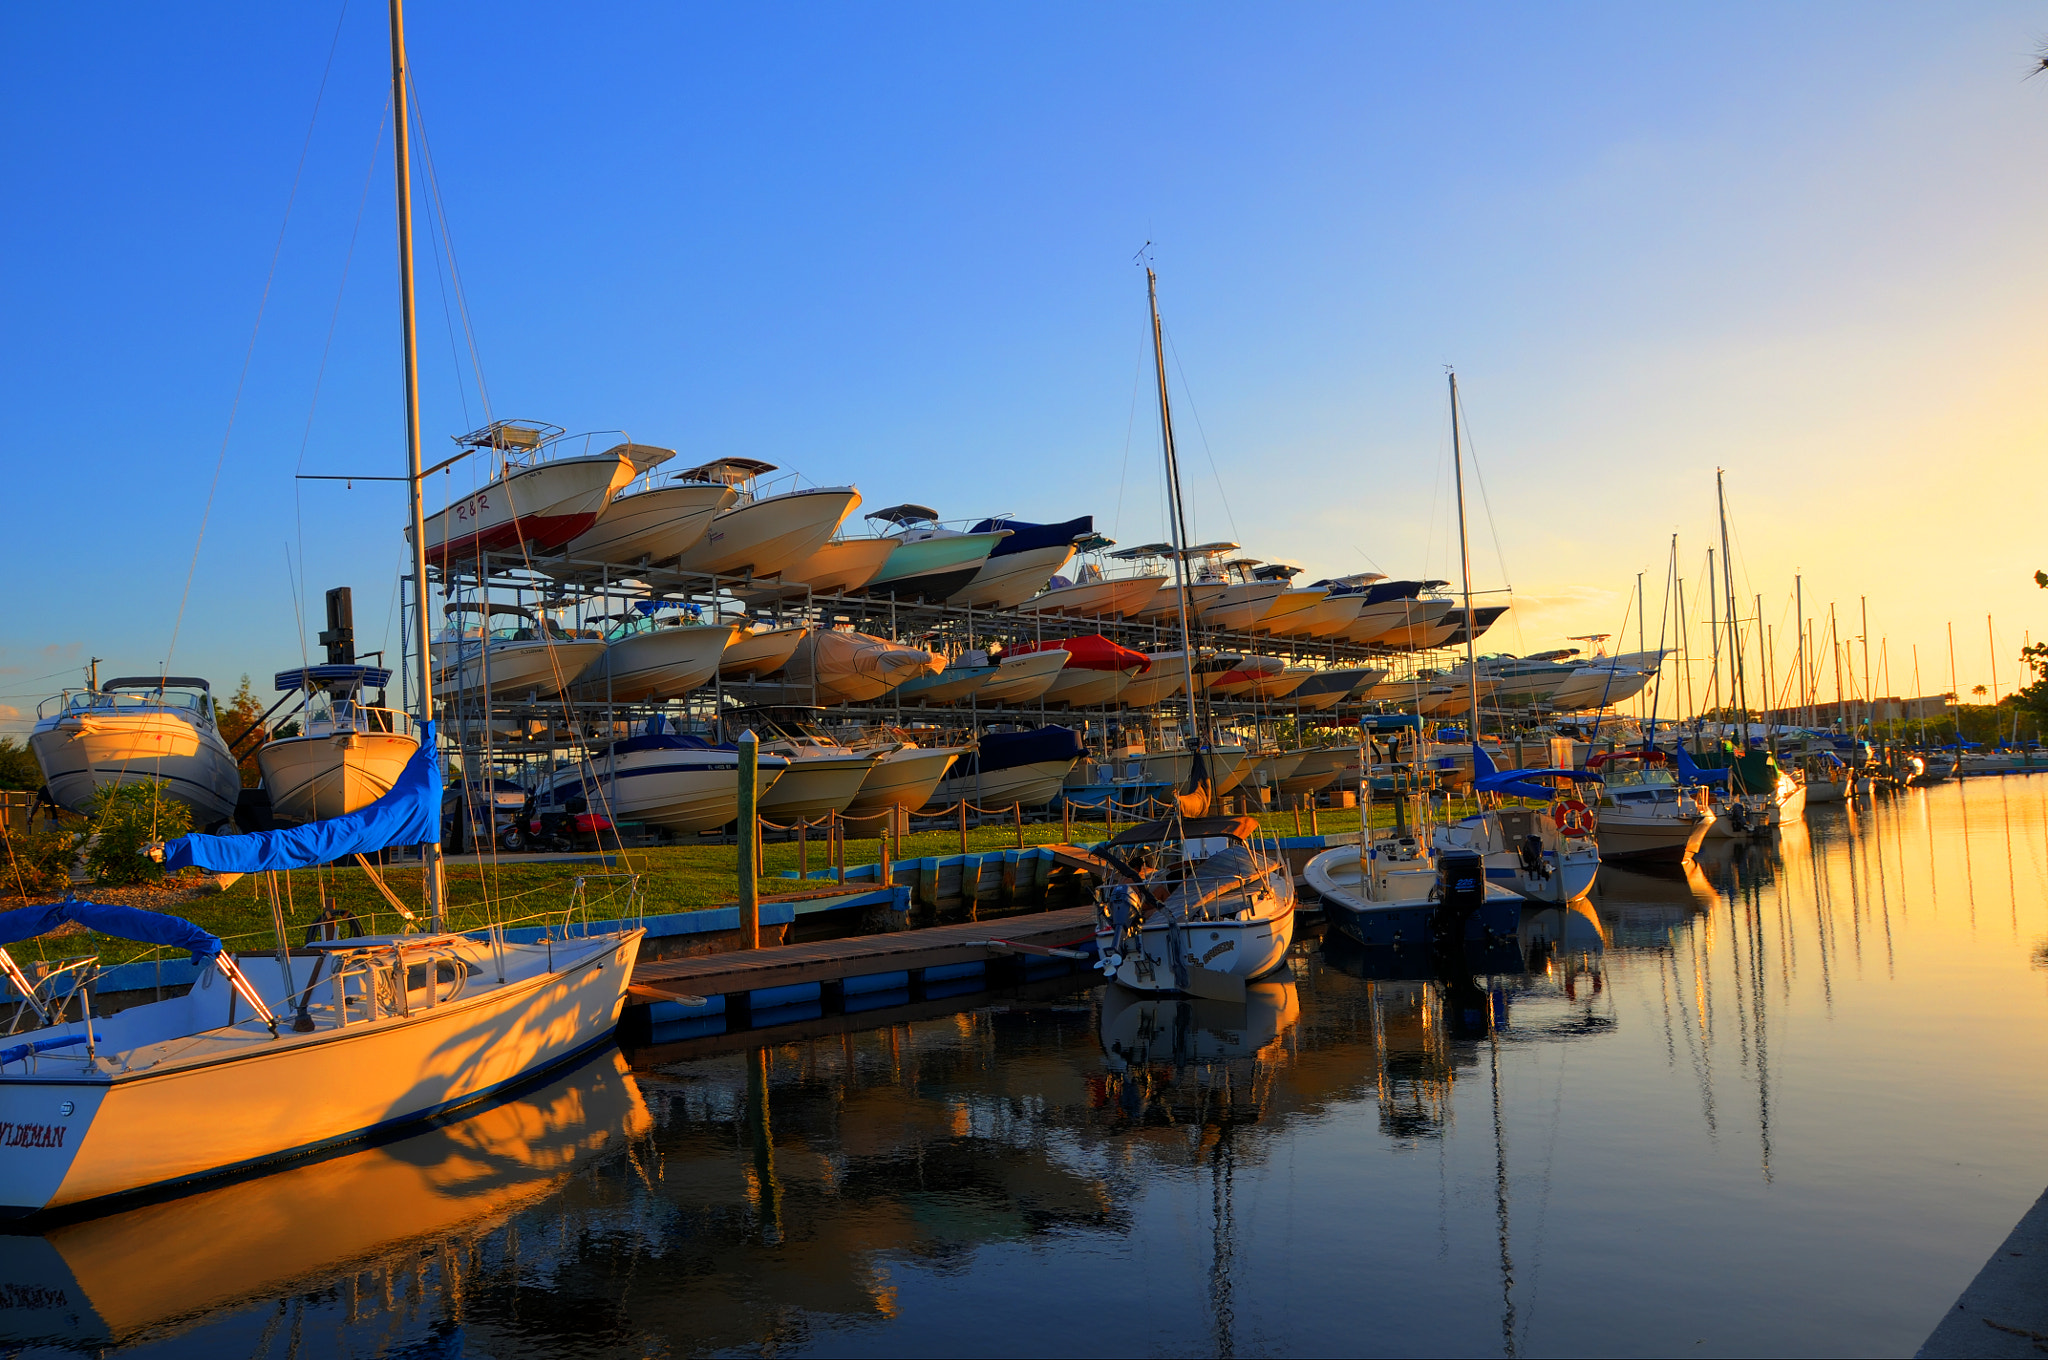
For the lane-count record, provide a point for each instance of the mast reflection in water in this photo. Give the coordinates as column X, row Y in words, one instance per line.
column 1784, row 1100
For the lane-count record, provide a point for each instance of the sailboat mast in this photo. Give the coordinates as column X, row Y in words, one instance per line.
column 1735, row 685
column 1176, row 514
column 401, row 124
column 1465, row 565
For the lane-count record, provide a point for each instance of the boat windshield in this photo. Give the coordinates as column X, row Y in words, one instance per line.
column 103, row 701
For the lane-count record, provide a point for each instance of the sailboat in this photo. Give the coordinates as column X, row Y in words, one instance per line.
column 1204, row 909
column 274, row 1057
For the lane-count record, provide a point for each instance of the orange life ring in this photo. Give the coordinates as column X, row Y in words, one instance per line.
column 1574, row 818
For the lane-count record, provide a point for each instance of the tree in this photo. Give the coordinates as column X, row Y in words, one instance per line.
column 2034, row 698
column 18, row 768
column 237, row 717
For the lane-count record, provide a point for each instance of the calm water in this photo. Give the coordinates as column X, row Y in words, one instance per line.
column 1785, row 1102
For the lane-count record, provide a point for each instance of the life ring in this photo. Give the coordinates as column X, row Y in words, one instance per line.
column 1574, row 818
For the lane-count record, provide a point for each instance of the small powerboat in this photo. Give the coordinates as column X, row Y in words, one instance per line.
column 346, row 755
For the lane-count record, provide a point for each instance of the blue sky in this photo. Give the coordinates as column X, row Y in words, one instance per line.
column 894, row 246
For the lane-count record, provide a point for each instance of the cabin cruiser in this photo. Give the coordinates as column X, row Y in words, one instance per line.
column 345, row 755
column 648, row 657
column 539, row 659
column 134, row 730
column 678, row 782
column 1012, row 769
column 1024, row 563
column 535, row 499
column 1093, row 594
column 761, row 533
column 652, row 525
column 1202, row 910
column 1644, row 813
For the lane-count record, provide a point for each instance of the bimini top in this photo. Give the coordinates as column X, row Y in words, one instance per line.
column 1188, row 828
column 726, row 471
column 906, row 514
column 335, row 678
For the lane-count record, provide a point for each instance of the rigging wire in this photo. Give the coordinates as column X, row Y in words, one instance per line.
column 249, row 354
column 1123, row 477
column 1187, row 395
column 440, row 215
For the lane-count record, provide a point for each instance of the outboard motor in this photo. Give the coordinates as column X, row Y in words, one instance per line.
column 1460, row 891
column 1533, row 863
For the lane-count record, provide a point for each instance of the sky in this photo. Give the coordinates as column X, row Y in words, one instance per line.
column 895, row 246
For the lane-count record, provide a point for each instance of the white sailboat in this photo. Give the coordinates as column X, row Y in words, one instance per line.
column 279, row 1056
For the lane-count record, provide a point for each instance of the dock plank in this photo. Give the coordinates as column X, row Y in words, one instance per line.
column 832, row 960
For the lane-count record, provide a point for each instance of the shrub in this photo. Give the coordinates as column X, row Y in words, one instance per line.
column 125, row 818
column 37, row 860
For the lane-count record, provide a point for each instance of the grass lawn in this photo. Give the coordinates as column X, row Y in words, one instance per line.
column 517, row 890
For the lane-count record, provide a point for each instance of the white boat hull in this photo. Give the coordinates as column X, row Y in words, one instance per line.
column 651, row 526
column 1628, row 835
column 231, row 1098
column 661, row 664
column 1114, row 598
column 762, row 537
column 312, row 778
column 1021, row 679
column 760, row 654
column 80, row 753
column 1244, row 949
column 1006, row 582
column 1031, row 786
column 1078, row 688
column 842, row 565
column 815, row 786
column 513, row 669
column 542, row 507
column 680, row 791
column 904, row 778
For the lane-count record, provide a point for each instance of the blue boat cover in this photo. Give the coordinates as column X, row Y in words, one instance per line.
column 1388, row 722
column 1008, row 750
column 1689, row 771
column 1026, row 537
column 409, row 814
column 129, row 923
column 1490, row 778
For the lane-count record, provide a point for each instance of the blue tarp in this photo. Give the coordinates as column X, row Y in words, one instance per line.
column 408, row 815
column 1027, row 537
column 129, row 923
column 1490, row 778
column 1007, row 750
column 1690, row 773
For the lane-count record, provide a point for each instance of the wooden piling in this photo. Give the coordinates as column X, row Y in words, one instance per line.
column 750, row 840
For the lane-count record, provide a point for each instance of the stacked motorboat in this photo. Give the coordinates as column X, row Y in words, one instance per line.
column 761, row 532
column 345, row 755
column 1012, row 769
column 535, row 660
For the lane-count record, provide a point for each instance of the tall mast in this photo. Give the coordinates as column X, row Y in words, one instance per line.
column 1176, row 514
column 1465, row 566
column 1799, row 622
column 1735, row 685
column 401, row 126
column 1714, row 637
column 1869, row 694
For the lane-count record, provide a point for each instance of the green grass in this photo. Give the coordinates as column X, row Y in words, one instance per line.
column 517, row 890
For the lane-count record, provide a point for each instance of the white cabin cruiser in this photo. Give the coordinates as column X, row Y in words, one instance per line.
column 1206, row 911
column 1644, row 812
column 346, row 755
column 134, row 730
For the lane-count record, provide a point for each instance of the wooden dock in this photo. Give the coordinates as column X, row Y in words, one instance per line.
column 730, row 979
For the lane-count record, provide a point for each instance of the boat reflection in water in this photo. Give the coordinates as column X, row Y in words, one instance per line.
column 184, row 1267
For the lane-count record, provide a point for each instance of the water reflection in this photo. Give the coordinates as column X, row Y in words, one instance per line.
column 403, row 1220
column 1779, row 1100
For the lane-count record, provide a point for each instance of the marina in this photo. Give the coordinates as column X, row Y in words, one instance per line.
column 911, row 848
